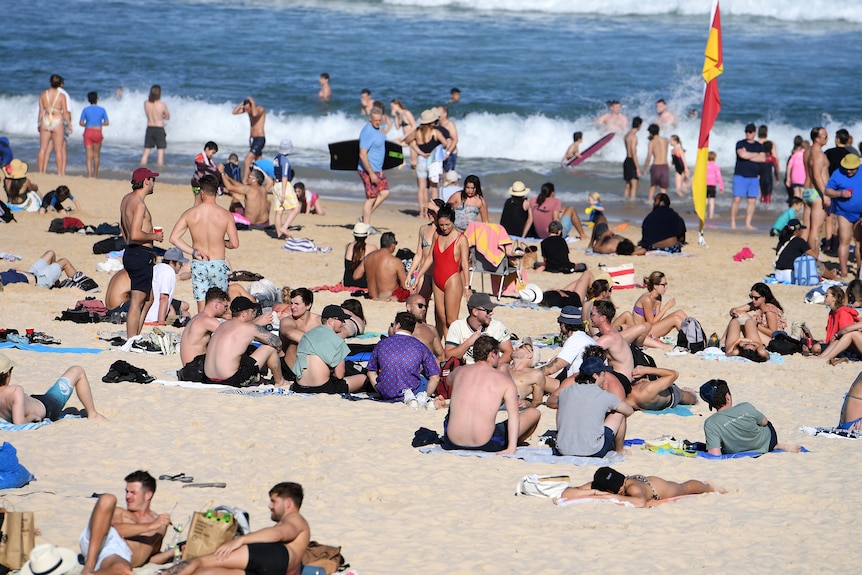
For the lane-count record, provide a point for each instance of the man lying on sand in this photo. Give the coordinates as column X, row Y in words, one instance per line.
column 275, row 550
column 639, row 490
column 46, row 272
column 19, row 408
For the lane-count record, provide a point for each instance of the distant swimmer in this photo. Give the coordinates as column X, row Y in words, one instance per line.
column 454, row 96
column 614, row 120
column 631, row 166
column 664, row 116
column 257, row 137
column 573, row 151
column 325, row 92
column 366, row 102
column 157, row 114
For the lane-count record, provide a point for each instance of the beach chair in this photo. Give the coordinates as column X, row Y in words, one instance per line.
column 491, row 254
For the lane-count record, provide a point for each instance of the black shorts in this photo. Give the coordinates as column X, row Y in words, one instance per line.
column 155, row 138
column 561, row 298
column 333, row 386
column 139, row 261
column 630, row 171
column 53, row 408
column 247, row 374
column 255, row 146
column 267, row 559
column 193, row 370
column 710, row 191
column 773, row 439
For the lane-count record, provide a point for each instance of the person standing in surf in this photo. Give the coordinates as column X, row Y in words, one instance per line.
column 257, row 136
column 372, row 152
column 631, row 166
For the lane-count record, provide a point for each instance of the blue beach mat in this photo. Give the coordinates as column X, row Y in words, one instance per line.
column 38, row 347
column 681, row 410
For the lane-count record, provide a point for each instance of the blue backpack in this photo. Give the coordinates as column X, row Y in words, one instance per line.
column 805, row 271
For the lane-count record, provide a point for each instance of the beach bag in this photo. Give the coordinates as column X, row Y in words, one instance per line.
column 444, row 389
column 17, row 537
column 784, row 344
column 531, row 255
column 65, row 225
column 94, row 306
column 209, row 531
column 691, row 335
column 326, row 556
column 6, row 214
column 109, row 245
column 551, row 486
column 623, row 276
column 805, row 271
column 640, row 357
column 12, row 473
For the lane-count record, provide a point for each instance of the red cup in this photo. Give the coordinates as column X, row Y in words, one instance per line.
column 30, row 331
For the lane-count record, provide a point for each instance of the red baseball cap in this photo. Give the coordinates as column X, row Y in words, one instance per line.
column 142, row 174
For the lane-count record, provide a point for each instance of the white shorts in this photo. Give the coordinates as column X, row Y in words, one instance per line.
column 784, row 275
column 114, row 544
column 46, row 274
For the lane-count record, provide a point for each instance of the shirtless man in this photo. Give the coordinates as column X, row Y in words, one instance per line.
column 631, row 166
column 814, row 195
column 16, row 407
column 660, row 393
column 157, row 114
column 639, row 490
column 118, row 291
column 619, row 353
column 275, row 550
column 366, row 102
column 385, row 272
column 851, row 410
column 528, row 379
column 325, row 92
column 226, row 361
column 477, row 391
column 659, row 173
column 605, row 241
column 613, row 120
column 418, row 306
column 449, row 128
column 256, row 137
column 664, row 116
column 196, row 335
column 136, row 224
column 252, row 194
column 293, row 325
column 213, row 230
column 573, row 151
column 127, row 538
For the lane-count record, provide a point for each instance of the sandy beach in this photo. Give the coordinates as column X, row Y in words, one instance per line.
column 393, row 509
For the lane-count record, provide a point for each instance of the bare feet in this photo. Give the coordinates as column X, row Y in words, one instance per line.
column 715, row 488
column 789, row 447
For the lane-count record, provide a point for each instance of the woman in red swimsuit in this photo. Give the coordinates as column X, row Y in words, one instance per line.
column 451, row 258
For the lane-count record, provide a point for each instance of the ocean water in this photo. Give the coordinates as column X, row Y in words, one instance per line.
column 530, row 73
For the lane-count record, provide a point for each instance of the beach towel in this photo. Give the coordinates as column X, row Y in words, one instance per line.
column 190, row 384
column 8, row 426
column 354, row 291
column 303, row 245
column 715, row 354
column 681, row 410
column 623, row 276
column 490, row 240
column 264, row 391
column 10, row 257
column 38, row 347
column 566, row 502
column 533, row 455
column 831, row 432
column 675, row 448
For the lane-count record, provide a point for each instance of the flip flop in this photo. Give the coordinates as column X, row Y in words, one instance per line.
column 181, row 477
column 214, row 484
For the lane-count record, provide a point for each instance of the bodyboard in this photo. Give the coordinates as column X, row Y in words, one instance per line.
column 344, row 156
column 591, row 150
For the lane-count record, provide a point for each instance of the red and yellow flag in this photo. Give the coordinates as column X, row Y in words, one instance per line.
column 713, row 66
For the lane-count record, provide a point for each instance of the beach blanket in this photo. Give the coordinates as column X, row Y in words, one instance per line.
column 303, row 245
column 9, row 257
column 490, row 240
column 8, row 426
column 264, row 391
column 715, row 354
column 681, row 410
column 38, row 347
column 190, row 384
column 831, row 432
column 340, row 288
column 533, row 455
column 566, row 502
column 672, row 449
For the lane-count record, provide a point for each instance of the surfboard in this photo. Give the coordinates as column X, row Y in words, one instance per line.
column 344, row 156
column 591, row 150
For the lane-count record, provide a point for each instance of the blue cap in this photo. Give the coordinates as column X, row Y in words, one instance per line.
column 594, row 365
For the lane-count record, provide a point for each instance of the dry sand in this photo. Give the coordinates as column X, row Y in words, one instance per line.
column 395, row 510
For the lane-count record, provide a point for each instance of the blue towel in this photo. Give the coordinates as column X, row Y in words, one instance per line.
column 49, row 348
column 533, row 455
column 681, row 410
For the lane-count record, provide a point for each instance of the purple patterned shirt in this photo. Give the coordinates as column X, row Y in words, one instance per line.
column 399, row 361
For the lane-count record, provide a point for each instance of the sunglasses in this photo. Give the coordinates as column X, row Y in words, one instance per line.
column 755, row 296
column 421, row 305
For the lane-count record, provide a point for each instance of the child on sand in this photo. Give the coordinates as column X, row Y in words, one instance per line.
column 713, row 180
column 794, row 212
column 555, row 251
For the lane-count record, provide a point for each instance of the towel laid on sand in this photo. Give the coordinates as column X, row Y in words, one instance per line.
column 715, row 354
column 681, row 410
column 7, row 426
column 38, row 347
column 533, row 455
column 831, row 432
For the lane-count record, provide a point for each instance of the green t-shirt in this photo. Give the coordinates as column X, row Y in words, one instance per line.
column 736, row 429
column 322, row 342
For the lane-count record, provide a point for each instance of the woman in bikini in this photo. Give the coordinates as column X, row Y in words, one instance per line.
column 402, row 118
column 680, row 166
column 423, row 249
column 851, row 410
column 652, row 309
column 451, row 258
column 427, row 146
column 53, row 112
column 469, row 205
column 764, row 309
column 354, row 254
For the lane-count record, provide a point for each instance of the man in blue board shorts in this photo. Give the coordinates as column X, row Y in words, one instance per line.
column 746, row 175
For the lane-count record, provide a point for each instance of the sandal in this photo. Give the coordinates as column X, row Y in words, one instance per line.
column 181, row 477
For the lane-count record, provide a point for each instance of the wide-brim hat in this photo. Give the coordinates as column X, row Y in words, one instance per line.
column 285, row 147
column 17, row 169
column 429, row 116
column 47, row 559
column 519, row 190
column 850, row 162
column 360, row 230
column 5, row 364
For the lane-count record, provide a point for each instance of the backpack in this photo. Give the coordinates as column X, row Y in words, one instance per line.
column 691, row 335
column 640, row 357
column 444, row 389
column 94, row 306
column 109, row 245
column 784, row 344
column 90, row 310
column 63, row 225
column 6, row 214
column 805, row 271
